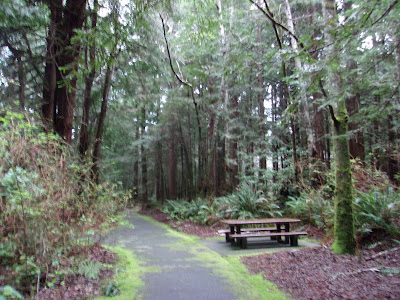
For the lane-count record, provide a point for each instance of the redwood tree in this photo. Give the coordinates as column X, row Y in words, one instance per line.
column 61, row 65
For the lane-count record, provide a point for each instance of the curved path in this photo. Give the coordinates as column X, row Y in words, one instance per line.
column 177, row 266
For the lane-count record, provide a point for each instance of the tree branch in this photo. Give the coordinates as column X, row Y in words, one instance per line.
column 180, row 79
column 269, row 15
column 324, row 93
column 386, row 12
column 169, row 56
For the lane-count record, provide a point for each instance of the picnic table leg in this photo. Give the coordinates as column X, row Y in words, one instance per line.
column 278, row 229
column 232, row 228
column 243, row 243
column 238, row 231
column 294, row 241
column 287, row 228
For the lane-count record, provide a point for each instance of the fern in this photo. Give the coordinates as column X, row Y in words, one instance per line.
column 89, row 269
column 378, row 211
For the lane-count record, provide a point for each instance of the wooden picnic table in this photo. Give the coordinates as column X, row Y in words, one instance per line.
column 239, row 230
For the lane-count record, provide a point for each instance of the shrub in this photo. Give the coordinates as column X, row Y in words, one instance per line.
column 378, row 211
column 245, row 203
column 47, row 200
column 248, row 203
column 313, row 208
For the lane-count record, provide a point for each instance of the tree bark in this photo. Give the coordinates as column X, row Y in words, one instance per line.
column 171, row 165
column 61, row 65
column 233, row 145
column 261, row 108
column 50, row 76
column 301, row 79
column 22, row 82
column 145, row 194
column 84, row 133
column 135, row 188
column 356, row 142
column 102, row 117
column 344, row 222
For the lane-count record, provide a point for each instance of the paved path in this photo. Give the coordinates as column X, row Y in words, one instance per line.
column 179, row 267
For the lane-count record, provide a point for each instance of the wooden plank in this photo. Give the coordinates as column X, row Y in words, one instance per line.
column 223, row 231
column 261, row 221
column 242, row 238
column 266, row 234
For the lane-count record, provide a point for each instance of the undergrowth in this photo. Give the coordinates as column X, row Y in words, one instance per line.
column 47, row 203
column 375, row 211
column 245, row 203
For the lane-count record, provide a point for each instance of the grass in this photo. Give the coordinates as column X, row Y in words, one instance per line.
column 128, row 279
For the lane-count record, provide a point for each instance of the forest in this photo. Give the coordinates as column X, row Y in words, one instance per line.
column 205, row 110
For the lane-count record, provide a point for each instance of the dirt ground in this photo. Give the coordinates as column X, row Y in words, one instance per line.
column 79, row 287
column 318, row 273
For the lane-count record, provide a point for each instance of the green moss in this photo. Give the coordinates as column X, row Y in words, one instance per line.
column 265, row 288
column 230, row 269
column 128, row 274
column 344, row 223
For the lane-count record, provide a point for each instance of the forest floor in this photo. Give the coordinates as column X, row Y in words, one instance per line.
column 317, row 273
column 77, row 286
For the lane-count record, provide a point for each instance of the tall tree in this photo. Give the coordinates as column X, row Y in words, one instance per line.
column 61, row 64
column 90, row 63
column 344, row 219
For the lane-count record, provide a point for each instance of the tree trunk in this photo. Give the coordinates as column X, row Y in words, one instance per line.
column 261, row 108
column 135, row 190
column 212, row 152
column 171, row 165
column 145, row 194
column 356, row 142
column 286, row 96
column 22, row 82
column 225, row 104
column 301, row 79
column 84, row 134
column 50, row 73
column 394, row 138
column 233, row 145
column 59, row 100
column 320, row 143
column 344, row 222
column 275, row 146
column 102, row 117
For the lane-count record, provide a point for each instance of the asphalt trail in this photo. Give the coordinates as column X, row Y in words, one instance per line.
column 177, row 268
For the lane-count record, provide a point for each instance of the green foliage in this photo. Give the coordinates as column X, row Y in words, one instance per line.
column 245, row 203
column 249, row 203
column 313, row 208
column 89, row 269
column 17, row 14
column 378, row 210
column 196, row 210
column 8, row 292
column 373, row 211
column 47, row 201
column 110, row 290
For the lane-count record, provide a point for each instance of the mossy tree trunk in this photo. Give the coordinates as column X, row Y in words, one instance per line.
column 344, row 221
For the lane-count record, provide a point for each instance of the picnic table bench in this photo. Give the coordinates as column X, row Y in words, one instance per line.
column 237, row 234
column 227, row 232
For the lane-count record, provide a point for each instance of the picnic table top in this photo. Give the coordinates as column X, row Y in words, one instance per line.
column 260, row 221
